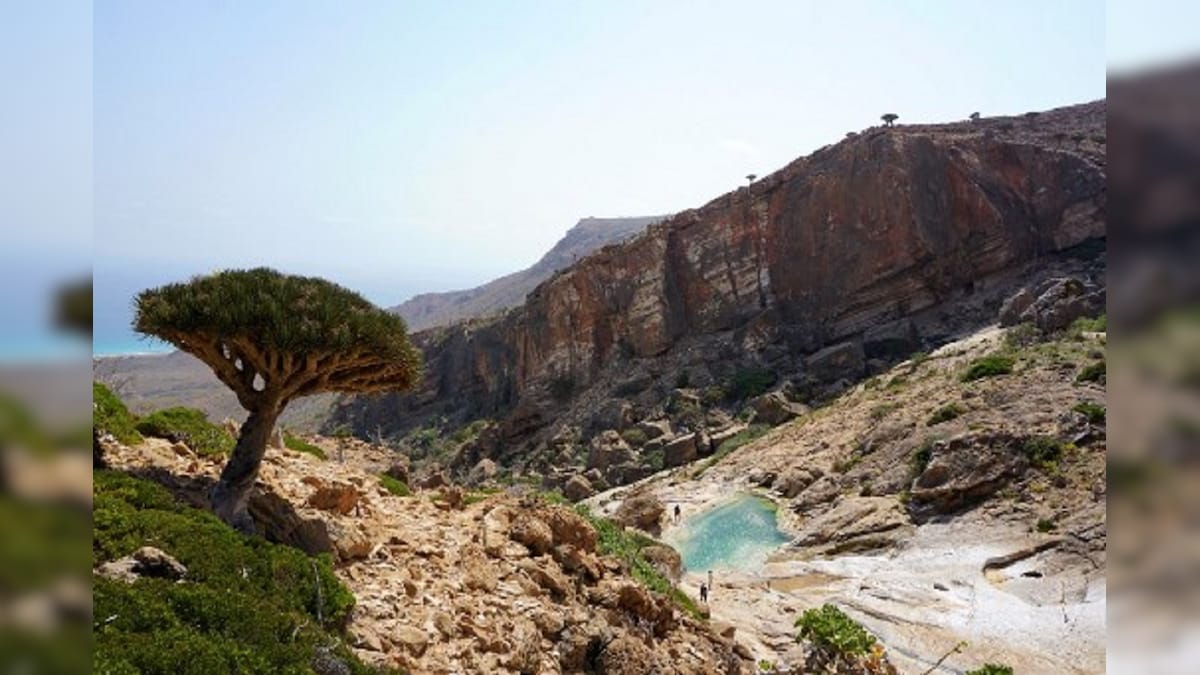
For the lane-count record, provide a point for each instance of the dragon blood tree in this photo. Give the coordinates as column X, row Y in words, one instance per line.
column 272, row 338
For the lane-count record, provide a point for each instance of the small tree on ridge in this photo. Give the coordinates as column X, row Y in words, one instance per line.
column 272, row 338
column 889, row 118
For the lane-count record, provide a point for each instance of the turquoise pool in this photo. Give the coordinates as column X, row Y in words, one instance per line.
column 737, row 535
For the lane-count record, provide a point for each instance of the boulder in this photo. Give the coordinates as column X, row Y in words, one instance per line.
column 533, row 533
column 890, row 341
column 654, row 428
column 412, row 640
column 795, row 481
column 664, row 559
column 680, row 451
column 1054, row 305
column 436, row 478
column 643, row 511
column 147, row 561
column 482, row 472
column 568, row 527
column 276, row 519
column 716, row 438
column 340, row 498
column 857, row 524
column 578, row 488
column 840, row 361
column 774, row 408
column 399, row 469
column 967, row 469
column 608, row 449
column 349, row 542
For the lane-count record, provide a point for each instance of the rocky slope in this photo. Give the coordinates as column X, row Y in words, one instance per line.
column 888, row 242
column 454, row 583
column 986, row 524
column 430, row 310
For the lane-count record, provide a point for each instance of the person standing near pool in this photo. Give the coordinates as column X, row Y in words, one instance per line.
column 676, row 514
column 710, row 583
column 703, row 593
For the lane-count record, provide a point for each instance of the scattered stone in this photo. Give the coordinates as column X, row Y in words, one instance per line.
column 680, row 451
column 774, row 408
column 643, row 511
column 578, row 488
column 147, row 561
column 338, row 497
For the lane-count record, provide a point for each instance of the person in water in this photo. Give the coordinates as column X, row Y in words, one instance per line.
column 703, row 592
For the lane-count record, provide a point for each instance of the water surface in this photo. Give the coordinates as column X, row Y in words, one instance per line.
column 737, row 535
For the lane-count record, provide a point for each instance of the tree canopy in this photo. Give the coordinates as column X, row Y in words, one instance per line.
column 889, row 118
column 279, row 336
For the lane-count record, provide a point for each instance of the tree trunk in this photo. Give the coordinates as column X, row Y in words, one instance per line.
column 232, row 493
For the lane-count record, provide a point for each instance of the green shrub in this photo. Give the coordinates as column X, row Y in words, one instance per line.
column 880, row 411
column 247, row 606
column 1046, row 525
column 897, row 382
column 683, row 379
column 748, row 383
column 1096, row 372
column 476, row 496
column 991, row 669
column 655, row 460
column 470, row 431
column 830, row 628
column 922, row 456
column 300, row 445
column 750, row 433
column 394, row 486
column 189, row 426
column 1085, row 325
column 1096, row 414
column 613, row 539
column 1043, row 452
column 945, row 414
column 713, row 395
column 634, row 436
column 1022, row 335
column 988, row 366
column 110, row 415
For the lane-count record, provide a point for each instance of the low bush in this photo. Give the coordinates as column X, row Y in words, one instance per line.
column 394, row 486
column 1023, row 335
column 1045, row 525
column 245, row 606
column 109, row 415
column 829, row 627
column 1096, row 372
column 748, row 383
column 634, row 436
column 300, row 445
column 945, row 414
column 1096, row 414
column 1043, row 452
column 921, row 457
column 988, row 366
column 190, row 426
column 1088, row 325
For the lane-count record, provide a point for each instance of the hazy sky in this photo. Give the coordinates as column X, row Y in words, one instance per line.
column 401, row 147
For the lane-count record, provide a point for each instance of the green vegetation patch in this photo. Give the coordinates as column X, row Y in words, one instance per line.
column 245, row 606
column 190, row 426
column 1096, row 372
column 750, row 433
column 830, row 628
column 945, row 414
column 300, row 445
column 110, row 415
column 634, row 436
column 988, row 366
column 1046, row 525
column 922, row 456
column 1043, row 452
column 1095, row 413
column 748, row 383
column 394, row 486
column 613, row 539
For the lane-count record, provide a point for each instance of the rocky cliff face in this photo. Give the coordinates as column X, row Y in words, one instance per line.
column 867, row 250
column 430, row 310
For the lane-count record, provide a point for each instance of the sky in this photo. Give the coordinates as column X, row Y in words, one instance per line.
column 405, row 147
